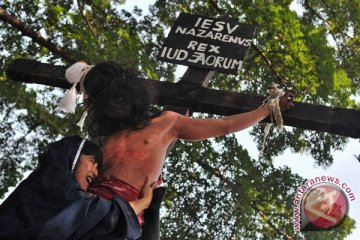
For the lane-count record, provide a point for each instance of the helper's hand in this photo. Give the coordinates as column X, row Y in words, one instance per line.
column 146, row 196
column 287, row 100
column 147, row 192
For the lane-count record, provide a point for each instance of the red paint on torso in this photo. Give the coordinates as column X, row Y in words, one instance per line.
column 133, row 155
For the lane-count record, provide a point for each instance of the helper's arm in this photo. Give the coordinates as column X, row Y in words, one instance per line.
column 146, row 196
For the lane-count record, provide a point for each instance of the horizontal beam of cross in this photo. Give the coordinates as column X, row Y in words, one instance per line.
column 339, row 121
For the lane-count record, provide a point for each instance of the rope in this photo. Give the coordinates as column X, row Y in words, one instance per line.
column 273, row 101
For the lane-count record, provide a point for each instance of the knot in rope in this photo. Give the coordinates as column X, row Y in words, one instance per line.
column 273, row 100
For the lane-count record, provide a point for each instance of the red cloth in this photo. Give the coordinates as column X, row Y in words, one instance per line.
column 108, row 187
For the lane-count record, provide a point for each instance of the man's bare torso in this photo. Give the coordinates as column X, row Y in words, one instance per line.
column 133, row 155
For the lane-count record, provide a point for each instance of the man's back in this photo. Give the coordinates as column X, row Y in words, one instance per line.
column 133, row 155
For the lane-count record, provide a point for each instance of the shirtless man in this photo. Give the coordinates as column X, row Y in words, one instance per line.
column 136, row 139
column 142, row 152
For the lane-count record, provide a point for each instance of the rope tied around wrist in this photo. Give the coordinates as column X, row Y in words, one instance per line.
column 273, row 101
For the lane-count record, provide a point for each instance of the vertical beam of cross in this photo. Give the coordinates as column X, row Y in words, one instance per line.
column 194, row 76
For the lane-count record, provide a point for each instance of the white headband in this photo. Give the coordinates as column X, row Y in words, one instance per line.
column 77, row 155
column 74, row 74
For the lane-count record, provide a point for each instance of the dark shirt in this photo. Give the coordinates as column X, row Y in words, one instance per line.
column 49, row 204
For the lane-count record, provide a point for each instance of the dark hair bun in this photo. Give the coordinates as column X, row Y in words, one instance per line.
column 117, row 99
column 99, row 77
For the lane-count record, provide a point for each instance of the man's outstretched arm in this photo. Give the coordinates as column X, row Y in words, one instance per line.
column 203, row 128
column 183, row 127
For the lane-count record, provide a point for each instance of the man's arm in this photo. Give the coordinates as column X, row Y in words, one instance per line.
column 183, row 127
column 203, row 128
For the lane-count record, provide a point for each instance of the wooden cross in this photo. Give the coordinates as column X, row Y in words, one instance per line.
column 190, row 93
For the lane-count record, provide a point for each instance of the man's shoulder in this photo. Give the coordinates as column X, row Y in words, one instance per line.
column 166, row 116
column 169, row 115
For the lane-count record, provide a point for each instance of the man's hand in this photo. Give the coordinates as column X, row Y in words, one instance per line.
column 287, row 100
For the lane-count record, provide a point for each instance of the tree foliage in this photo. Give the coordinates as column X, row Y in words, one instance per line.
column 216, row 191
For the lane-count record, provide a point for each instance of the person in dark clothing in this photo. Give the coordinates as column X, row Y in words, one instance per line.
column 51, row 202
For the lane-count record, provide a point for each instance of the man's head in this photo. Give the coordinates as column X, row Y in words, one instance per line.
column 88, row 165
column 117, row 99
